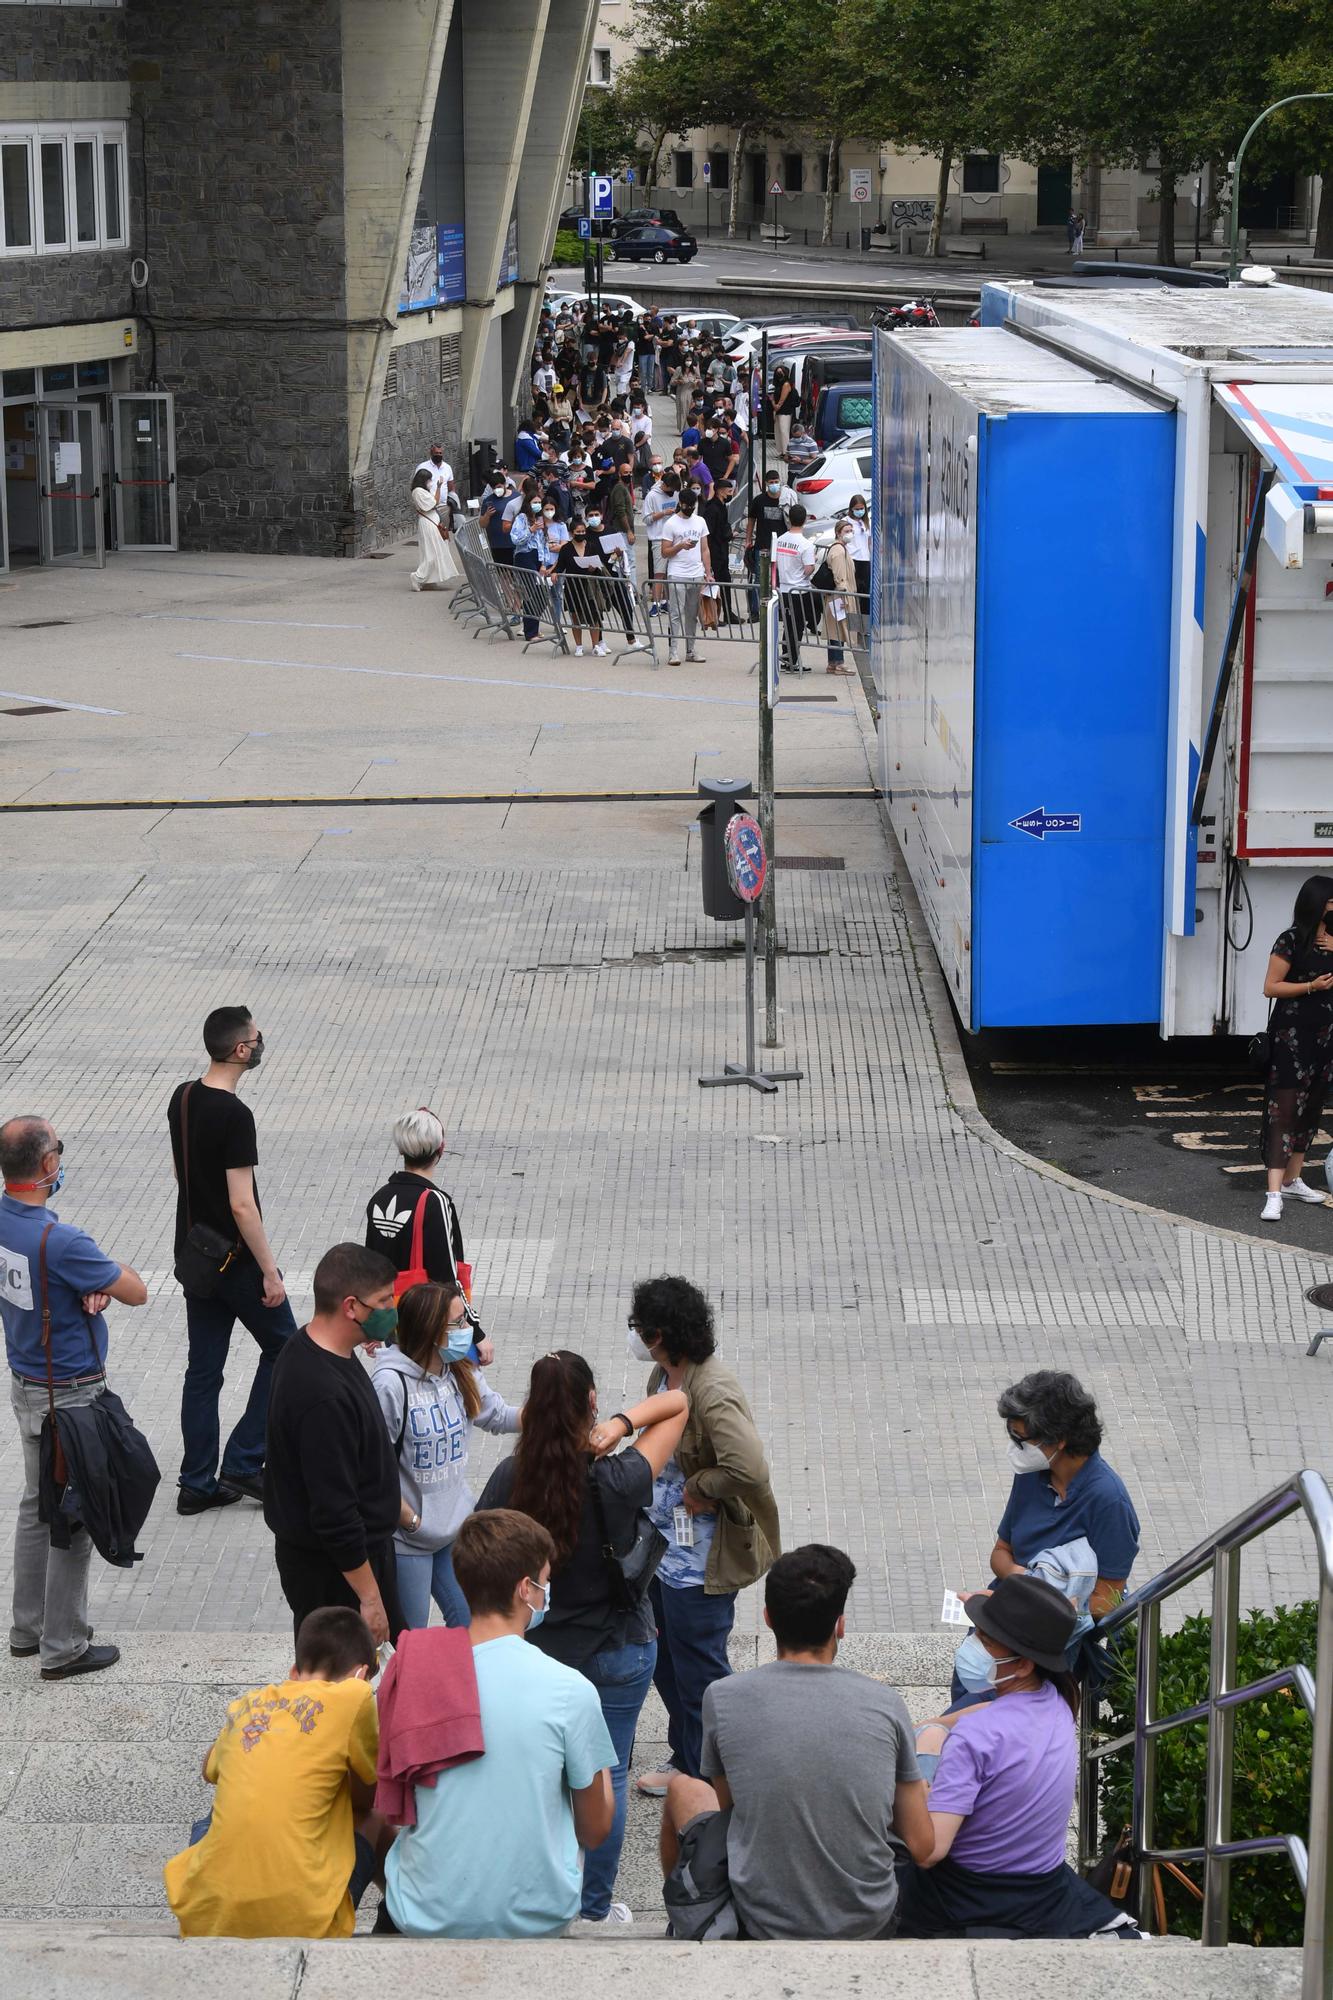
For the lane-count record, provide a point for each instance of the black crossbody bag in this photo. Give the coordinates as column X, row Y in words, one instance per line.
column 629, row 1572
column 206, row 1252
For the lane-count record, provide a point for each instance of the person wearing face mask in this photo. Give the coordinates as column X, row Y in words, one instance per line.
column 837, row 606
column 588, row 1483
column 688, row 567
column 494, row 1847
column 528, row 548
column 432, row 1395
column 332, row 1497
column 581, row 561
column 858, row 516
column 766, row 518
column 1299, row 988
column 1002, row 1781
column 659, row 504
column 214, row 1152
column 714, row 1504
column 440, row 475
column 50, row 1608
column 492, row 515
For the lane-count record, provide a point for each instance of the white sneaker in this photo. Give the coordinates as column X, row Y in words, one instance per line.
column 673, row 659
column 603, row 651
column 1272, row 1208
column 578, row 652
column 619, row 1913
column 1300, row 1190
column 653, row 1784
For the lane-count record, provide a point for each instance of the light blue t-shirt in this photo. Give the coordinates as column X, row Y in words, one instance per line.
column 680, row 1568
column 493, row 1853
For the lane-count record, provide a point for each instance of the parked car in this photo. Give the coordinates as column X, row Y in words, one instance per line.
column 709, row 324
column 843, row 407
column 660, row 218
column 827, row 486
column 819, row 366
column 660, row 246
column 620, row 302
column 602, row 225
column 743, row 340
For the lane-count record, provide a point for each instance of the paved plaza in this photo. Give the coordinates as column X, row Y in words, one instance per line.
column 543, row 976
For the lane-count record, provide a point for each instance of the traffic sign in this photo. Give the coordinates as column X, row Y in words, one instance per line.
column 629, row 176
column 708, row 170
column 747, row 863
column 601, row 195
column 860, row 180
column 585, row 227
column 775, row 187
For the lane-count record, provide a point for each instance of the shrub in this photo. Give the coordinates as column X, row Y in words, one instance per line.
column 1271, row 1766
column 568, row 248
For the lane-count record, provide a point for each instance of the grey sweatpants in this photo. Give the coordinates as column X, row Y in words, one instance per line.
column 50, row 1585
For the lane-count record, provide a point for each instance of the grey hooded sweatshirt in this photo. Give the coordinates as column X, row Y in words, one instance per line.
column 426, row 1421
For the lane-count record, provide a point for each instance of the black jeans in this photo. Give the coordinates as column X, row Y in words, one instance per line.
column 210, row 1324
column 310, row 1580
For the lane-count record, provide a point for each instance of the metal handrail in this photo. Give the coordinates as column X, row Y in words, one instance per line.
column 1312, row 1862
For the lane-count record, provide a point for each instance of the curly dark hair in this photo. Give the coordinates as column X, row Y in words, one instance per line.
column 1054, row 1408
column 675, row 1312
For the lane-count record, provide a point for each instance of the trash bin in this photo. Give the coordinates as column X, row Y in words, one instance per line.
column 481, row 456
column 724, row 797
column 865, row 239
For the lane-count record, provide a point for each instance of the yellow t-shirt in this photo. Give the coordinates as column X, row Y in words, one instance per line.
column 278, row 1856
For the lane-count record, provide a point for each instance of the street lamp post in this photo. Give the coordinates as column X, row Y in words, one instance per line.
column 1300, row 97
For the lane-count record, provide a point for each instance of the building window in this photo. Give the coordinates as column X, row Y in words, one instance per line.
column 793, row 172
column 599, row 69
column 758, row 178
column 981, row 173
column 721, row 166
column 62, row 187
column 451, row 360
column 684, row 170
column 391, row 377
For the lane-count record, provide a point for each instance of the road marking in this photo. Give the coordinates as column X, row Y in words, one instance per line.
column 481, row 680
column 202, row 618
column 54, row 701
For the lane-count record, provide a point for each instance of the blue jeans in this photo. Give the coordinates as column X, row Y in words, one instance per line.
column 210, row 1322
column 426, row 1575
column 692, row 1633
column 622, row 1677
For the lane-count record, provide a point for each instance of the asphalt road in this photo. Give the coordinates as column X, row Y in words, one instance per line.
column 1175, row 1125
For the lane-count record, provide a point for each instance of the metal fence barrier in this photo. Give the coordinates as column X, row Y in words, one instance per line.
column 1311, row 1856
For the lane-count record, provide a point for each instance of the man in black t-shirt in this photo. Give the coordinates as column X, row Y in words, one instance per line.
column 215, row 1186
column 331, row 1489
column 766, row 517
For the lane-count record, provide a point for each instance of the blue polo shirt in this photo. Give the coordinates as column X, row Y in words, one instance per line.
column 1097, row 1506
column 74, row 1265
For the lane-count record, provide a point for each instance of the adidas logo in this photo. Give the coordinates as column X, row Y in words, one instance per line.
column 390, row 1221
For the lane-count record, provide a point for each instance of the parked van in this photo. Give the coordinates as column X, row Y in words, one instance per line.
column 843, row 407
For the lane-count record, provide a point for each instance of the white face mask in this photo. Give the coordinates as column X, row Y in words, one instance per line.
column 1028, row 1457
column 637, row 1350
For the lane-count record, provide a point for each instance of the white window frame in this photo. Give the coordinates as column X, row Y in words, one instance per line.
column 594, row 65
column 18, row 137
column 99, row 135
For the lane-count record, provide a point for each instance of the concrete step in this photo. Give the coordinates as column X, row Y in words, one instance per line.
column 80, row 1962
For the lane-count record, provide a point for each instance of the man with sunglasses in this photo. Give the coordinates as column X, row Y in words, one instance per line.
column 215, row 1186
column 50, row 1615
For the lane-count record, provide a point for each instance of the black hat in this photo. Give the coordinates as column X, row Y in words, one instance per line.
column 1028, row 1615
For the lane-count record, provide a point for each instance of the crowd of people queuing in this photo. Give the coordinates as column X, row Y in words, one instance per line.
column 484, row 1784
column 594, row 505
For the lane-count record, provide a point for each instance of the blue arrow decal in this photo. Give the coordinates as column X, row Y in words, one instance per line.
column 1039, row 823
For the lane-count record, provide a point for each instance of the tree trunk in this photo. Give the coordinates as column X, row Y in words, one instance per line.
column 1166, row 220
column 941, row 203
column 659, row 140
column 734, row 191
column 831, row 191
column 1323, row 235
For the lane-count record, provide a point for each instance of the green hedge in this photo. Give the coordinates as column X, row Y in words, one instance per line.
column 568, row 248
column 1271, row 1783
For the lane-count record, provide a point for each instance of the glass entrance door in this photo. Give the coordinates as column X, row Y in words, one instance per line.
column 69, row 454
column 143, row 432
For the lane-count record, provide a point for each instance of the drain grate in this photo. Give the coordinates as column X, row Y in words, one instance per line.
column 832, row 864
column 40, row 624
column 37, row 708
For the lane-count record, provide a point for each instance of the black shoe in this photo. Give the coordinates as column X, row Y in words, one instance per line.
column 252, row 1485
column 189, row 1500
column 91, row 1661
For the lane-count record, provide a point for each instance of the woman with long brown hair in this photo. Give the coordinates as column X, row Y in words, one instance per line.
column 431, row 1396
column 563, row 1474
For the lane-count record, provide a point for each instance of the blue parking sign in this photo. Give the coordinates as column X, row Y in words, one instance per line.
column 601, row 194
column 585, row 227
column 629, row 176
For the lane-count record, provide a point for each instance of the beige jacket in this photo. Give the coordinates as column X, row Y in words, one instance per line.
column 844, row 578
column 723, row 1461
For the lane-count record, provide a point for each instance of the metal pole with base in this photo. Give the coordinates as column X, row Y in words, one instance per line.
column 747, row 1072
column 747, row 871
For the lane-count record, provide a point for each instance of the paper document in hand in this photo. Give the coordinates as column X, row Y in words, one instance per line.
column 952, row 1611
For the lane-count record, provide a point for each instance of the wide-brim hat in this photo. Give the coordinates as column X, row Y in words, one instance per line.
column 1028, row 1615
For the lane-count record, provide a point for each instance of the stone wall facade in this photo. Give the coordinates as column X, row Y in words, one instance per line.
column 426, row 410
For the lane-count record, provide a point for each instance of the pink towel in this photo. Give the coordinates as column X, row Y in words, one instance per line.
column 430, row 1717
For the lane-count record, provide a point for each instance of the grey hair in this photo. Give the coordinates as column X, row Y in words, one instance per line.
column 418, row 1136
column 1054, row 1408
column 24, row 1143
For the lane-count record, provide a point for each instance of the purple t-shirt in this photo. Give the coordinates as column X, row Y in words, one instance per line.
column 1010, row 1768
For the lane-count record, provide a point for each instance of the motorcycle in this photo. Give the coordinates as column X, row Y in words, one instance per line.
column 912, row 312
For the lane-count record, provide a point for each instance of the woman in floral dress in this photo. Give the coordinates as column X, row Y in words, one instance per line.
column 1299, row 983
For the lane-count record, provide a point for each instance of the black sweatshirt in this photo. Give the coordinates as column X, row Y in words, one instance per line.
column 330, row 1472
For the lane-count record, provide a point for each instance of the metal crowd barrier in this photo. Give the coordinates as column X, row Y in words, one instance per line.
column 1311, row 1856
column 488, row 604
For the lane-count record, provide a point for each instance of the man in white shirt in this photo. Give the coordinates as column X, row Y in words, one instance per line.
column 795, row 560
column 440, row 473
column 688, row 566
column 659, row 504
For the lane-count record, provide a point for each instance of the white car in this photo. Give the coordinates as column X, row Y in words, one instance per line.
column 708, row 323
column 618, row 301
column 827, row 486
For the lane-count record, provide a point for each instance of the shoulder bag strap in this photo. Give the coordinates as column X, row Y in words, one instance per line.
column 600, row 1510
column 417, row 1260
column 58, row 1465
column 185, row 1152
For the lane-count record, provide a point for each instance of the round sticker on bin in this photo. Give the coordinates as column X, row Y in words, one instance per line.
column 747, row 863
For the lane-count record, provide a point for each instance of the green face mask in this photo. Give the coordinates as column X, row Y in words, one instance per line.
column 380, row 1322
